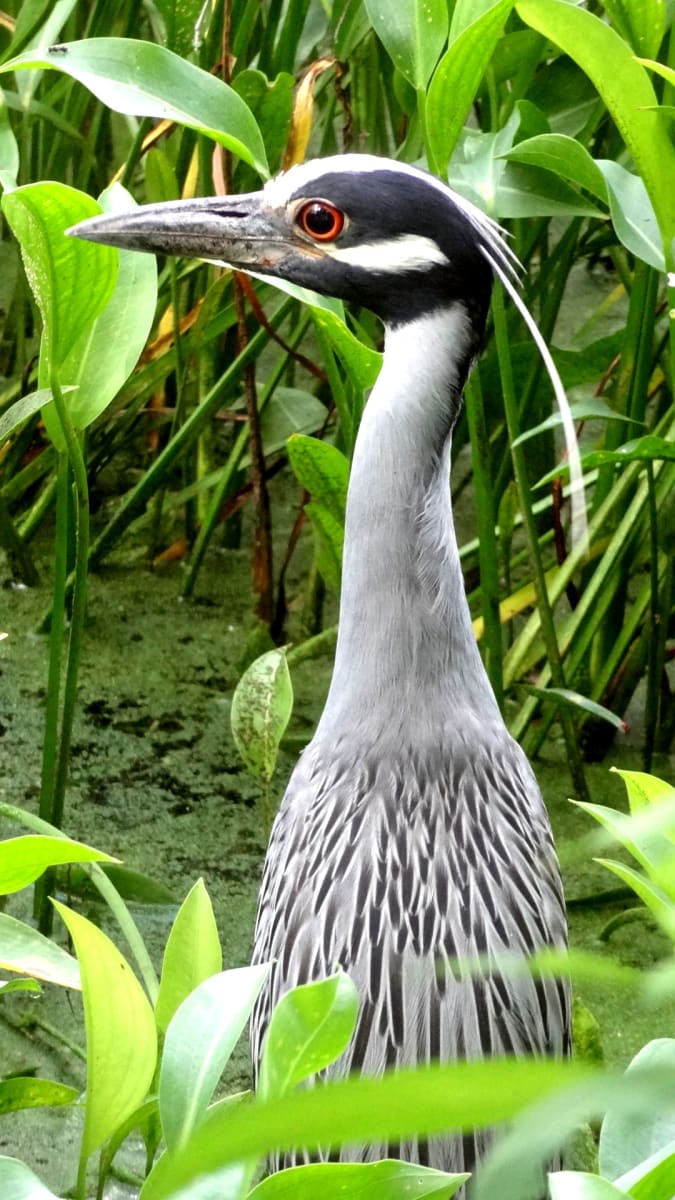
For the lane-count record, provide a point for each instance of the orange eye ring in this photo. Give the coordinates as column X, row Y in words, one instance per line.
column 321, row 221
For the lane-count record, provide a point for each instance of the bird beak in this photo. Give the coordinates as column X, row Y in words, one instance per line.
column 240, row 231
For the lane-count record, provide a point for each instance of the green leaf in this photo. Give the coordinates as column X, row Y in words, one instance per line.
column 456, row 81
column 100, row 361
column 310, row 1027
column 625, row 89
column 413, row 32
column 329, row 541
column 9, row 151
column 70, row 283
column 121, row 1034
column 576, row 700
column 427, row 1101
column 641, row 23
column 24, row 408
column 145, row 80
column 7, row 986
column 564, row 156
column 592, row 409
column 291, row 410
column 199, row 1043
column 27, row 952
column 27, row 1092
column 180, row 19
column 386, row 1180
column 656, row 900
column 323, row 471
column 192, row 953
column 361, row 362
column 644, row 449
column 580, row 1185
column 651, row 1179
column 626, row 1141
column 18, row 1182
column 667, row 73
column 645, row 790
column 633, row 217
column 261, row 707
column 24, row 859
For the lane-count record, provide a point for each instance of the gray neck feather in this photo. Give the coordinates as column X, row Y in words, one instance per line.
column 407, row 664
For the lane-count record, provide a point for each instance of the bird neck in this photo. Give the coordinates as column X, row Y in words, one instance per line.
column 406, row 653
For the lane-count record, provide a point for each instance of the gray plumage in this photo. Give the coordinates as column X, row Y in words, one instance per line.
column 412, row 835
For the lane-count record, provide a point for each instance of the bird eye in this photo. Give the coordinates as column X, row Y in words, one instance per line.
column 321, row 220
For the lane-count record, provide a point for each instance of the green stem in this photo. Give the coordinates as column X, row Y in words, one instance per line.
column 488, row 555
column 41, row 908
column 530, row 529
column 79, row 599
column 654, row 658
column 138, row 497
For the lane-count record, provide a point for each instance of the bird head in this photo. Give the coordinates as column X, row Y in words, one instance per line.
column 364, row 229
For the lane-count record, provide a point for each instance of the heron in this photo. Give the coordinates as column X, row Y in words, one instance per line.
column 412, row 838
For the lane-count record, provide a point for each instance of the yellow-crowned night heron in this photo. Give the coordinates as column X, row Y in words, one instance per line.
column 412, row 834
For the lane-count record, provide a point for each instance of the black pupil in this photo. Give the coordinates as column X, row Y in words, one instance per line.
column 319, row 219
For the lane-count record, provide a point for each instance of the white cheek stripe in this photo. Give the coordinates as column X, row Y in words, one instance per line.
column 409, row 252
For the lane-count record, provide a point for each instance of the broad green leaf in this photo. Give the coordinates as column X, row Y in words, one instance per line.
column 361, row 362
column 27, row 1092
column 329, row 540
column 456, row 81
column 27, row 952
column 261, row 707
column 641, row 23
column 24, row 859
column 626, row 1142
column 644, row 790
column 322, row 470
column 271, row 102
column 100, row 361
column 18, row 1182
column 143, row 79
column 644, row 449
column 9, row 151
column 653, row 1178
column 576, row 700
column 564, row 156
column 47, row 32
column 413, row 32
column 632, row 214
column 581, row 1185
column 640, row 837
column 426, row 1101
column 120, row 1027
column 70, row 283
column 198, row 1044
column 132, row 885
column 386, row 1180
column 180, row 21
column 625, row 88
column 290, row 410
column 310, row 1027
column 660, row 905
column 518, row 1161
column 192, row 953
column 592, row 409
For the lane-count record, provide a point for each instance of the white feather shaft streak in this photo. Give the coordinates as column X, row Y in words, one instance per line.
column 579, row 523
column 408, row 252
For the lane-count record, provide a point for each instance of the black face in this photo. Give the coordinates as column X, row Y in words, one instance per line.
column 372, row 208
